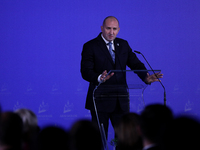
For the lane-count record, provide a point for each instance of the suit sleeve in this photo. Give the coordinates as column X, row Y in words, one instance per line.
column 87, row 64
column 135, row 64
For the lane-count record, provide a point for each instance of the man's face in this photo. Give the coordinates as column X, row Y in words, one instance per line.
column 110, row 29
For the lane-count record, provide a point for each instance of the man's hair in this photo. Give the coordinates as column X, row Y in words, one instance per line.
column 28, row 117
column 154, row 120
column 108, row 18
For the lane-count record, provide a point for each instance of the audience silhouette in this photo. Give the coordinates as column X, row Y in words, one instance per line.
column 155, row 128
column 11, row 129
column 128, row 133
column 30, row 128
column 154, row 120
column 53, row 138
column 183, row 133
column 85, row 135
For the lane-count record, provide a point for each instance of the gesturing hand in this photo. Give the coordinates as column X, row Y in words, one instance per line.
column 105, row 77
column 154, row 77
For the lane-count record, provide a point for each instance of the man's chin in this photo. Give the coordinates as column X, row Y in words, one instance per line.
column 111, row 39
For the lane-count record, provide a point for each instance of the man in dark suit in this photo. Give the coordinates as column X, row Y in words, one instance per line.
column 97, row 62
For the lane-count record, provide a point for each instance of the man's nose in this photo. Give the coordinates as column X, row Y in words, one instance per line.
column 111, row 31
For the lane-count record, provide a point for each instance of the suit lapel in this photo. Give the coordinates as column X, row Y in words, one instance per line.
column 117, row 46
column 104, row 48
column 117, row 54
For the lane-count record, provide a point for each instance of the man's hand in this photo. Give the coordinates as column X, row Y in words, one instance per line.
column 154, row 77
column 105, row 77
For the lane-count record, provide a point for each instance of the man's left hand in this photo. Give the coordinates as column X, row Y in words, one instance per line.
column 153, row 78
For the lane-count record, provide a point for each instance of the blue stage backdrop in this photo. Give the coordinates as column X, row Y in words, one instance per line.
column 41, row 43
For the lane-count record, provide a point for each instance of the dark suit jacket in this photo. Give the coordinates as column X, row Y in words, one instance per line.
column 95, row 59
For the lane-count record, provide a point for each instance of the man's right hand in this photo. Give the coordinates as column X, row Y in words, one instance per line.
column 105, row 77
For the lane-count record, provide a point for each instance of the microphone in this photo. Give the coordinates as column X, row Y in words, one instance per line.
column 155, row 75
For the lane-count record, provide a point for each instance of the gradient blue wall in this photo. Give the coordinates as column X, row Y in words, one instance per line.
column 41, row 43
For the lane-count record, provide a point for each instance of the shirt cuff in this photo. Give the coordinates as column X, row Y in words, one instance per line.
column 99, row 78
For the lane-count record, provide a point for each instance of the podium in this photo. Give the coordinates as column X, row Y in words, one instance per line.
column 120, row 86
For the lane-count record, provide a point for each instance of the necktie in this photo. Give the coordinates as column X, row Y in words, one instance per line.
column 111, row 51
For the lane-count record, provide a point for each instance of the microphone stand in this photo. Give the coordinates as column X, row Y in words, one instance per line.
column 101, row 127
column 155, row 75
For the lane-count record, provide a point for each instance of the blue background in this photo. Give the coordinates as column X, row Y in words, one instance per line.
column 41, row 43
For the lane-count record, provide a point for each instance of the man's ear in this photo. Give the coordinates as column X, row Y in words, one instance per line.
column 101, row 28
